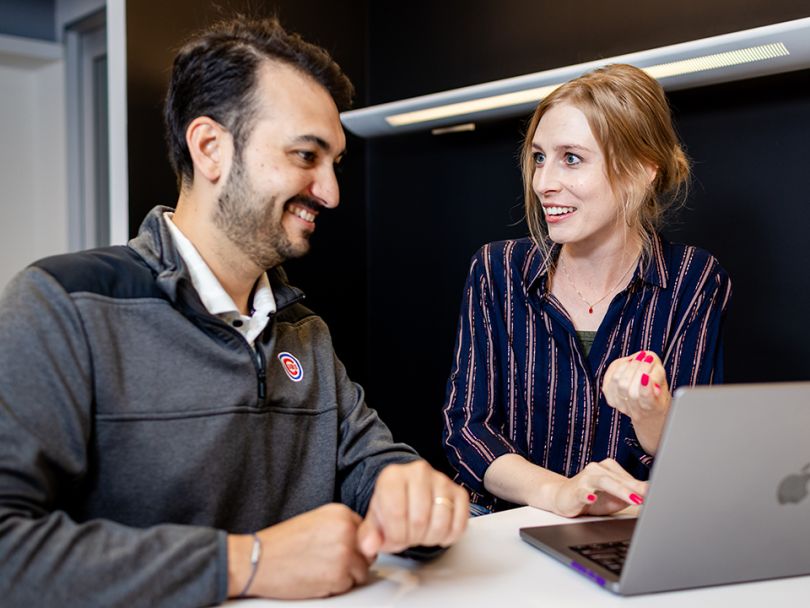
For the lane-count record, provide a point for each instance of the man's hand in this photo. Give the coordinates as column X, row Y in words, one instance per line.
column 312, row 555
column 637, row 387
column 328, row 550
column 413, row 504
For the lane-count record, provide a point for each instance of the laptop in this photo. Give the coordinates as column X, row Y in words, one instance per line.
column 729, row 498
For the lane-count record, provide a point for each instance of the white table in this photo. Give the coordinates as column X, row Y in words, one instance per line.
column 491, row 567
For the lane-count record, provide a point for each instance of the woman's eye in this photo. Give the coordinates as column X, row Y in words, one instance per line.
column 306, row 156
column 572, row 159
column 539, row 158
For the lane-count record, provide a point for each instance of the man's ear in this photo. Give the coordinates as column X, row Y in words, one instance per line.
column 210, row 145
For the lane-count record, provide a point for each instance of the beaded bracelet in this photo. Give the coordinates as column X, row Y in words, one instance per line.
column 255, row 556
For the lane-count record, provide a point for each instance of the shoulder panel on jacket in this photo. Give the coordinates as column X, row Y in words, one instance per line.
column 116, row 272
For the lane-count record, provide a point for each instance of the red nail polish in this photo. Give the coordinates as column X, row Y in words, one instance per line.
column 637, row 499
column 591, row 497
column 645, row 379
column 656, row 385
column 640, row 356
column 648, row 359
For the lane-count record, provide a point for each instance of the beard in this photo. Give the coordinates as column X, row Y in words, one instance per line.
column 253, row 223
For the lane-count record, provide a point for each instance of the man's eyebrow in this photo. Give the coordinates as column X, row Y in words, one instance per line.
column 313, row 139
column 318, row 141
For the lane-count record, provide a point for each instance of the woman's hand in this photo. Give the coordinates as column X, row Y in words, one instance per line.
column 601, row 488
column 637, row 387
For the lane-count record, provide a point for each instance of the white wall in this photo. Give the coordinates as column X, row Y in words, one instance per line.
column 69, row 13
column 33, row 142
column 33, row 182
column 117, row 107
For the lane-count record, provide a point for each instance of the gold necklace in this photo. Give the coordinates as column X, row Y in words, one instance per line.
column 579, row 293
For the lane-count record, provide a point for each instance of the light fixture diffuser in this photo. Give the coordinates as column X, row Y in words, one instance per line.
column 781, row 47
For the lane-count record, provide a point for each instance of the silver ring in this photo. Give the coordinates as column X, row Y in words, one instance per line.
column 444, row 501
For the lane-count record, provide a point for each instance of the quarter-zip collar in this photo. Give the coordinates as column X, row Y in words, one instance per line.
column 155, row 245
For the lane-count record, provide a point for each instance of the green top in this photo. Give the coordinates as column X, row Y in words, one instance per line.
column 586, row 338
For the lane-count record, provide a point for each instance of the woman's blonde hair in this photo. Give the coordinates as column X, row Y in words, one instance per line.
column 630, row 118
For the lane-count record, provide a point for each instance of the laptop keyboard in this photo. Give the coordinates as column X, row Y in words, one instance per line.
column 610, row 555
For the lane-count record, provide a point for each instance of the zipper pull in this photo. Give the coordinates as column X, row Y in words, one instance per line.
column 262, row 386
column 262, row 374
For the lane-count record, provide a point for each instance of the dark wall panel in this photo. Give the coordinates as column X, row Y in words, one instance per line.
column 422, row 47
column 433, row 201
column 750, row 206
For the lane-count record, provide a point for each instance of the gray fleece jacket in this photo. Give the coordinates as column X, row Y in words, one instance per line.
column 136, row 429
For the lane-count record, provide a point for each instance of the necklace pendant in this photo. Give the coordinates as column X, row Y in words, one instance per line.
column 590, row 310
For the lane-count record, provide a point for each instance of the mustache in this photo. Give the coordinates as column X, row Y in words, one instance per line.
column 306, row 201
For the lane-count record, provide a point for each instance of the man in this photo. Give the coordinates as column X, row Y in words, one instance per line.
column 162, row 402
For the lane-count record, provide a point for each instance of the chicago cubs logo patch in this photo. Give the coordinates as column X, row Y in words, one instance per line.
column 292, row 366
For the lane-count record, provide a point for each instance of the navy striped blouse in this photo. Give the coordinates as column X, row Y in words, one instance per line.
column 521, row 383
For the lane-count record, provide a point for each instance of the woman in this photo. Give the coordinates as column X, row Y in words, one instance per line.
column 571, row 342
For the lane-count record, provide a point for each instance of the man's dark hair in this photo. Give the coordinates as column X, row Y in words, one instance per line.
column 215, row 75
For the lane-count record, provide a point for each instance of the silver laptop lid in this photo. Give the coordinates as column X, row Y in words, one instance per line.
column 729, row 490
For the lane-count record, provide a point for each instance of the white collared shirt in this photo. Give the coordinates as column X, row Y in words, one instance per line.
column 214, row 297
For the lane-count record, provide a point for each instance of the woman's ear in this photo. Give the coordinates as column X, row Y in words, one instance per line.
column 210, row 146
